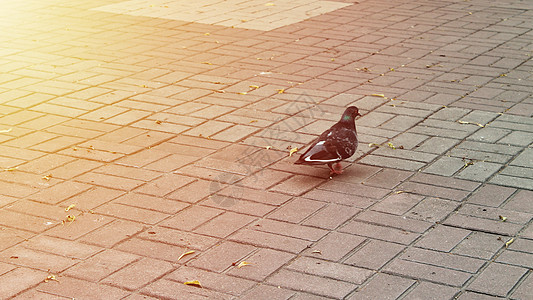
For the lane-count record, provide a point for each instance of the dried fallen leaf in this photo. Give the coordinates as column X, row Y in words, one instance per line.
column 316, row 251
column 6, row 130
column 11, row 169
column 269, row 4
column 374, row 145
column 195, row 283
column 185, row 253
column 255, row 87
column 399, row 192
column 391, row 145
column 474, row 123
column 378, row 95
column 509, row 242
column 69, row 219
column 503, row 218
column 281, row 91
column 242, row 93
column 268, row 147
column 292, row 151
column 158, row 122
column 220, row 91
column 242, row 264
column 47, row 177
column 253, row 121
column 70, row 207
column 206, row 63
column 51, row 277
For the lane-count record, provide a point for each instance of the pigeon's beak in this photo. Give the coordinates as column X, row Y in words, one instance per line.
column 358, row 114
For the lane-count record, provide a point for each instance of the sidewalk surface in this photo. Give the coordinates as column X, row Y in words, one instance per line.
column 144, row 144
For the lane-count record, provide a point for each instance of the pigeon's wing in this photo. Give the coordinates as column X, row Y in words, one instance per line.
column 335, row 144
column 321, row 152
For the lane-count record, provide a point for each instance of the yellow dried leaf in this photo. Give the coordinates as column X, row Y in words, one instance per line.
column 47, row 177
column 70, row 207
column 391, row 145
column 269, row 4
column 158, row 122
column 195, row 283
column 51, row 277
column 399, row 192
column 378, row 95
column 316, row 251
column 11, row 169
column 503, row 218
column 185, row 253
column 206, row 63
column 374, row 145
column 242, row 93
column 253, row 121
column 6, row 130
column 220, row 91
column 242, row 264
column 207, row 33
column 293, row 150
column 255, row 87
column 474, row 123
column 70, row 218
column 509, row 242
column 281, row 91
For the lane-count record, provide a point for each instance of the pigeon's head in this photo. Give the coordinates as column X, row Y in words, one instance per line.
column 350, row 114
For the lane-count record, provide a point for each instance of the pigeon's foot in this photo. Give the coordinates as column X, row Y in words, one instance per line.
column 336, row 169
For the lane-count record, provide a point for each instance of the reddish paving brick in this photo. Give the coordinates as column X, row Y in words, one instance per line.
column 101, row 265
column 168, row 289
column 288, row 229
column 397, row 204
column 332, row 270
column 225, row 224
column 222, row 256
column 269, row 240
column 383, row 286
column 375, row 254
column 380, row 232
column 331, row 216
column 77, row 288
column 138, row 274
column 112, row 233
column 211, row 280
column 152, row 203
column 147, row 248
column 393, row 221
column 19, row 279
column 267, row 292
column 312, row 284
column 179, row 238
column 263, row 263
column 297, row 185
column 190, row 218
column 297, row 210
column 335, row 246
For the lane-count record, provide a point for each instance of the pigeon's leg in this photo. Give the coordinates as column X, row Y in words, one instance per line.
column 335, row 168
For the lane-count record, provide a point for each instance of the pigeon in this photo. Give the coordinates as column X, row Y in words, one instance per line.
column 335, row 144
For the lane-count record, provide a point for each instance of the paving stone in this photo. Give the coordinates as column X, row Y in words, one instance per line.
column 384, row 286
column 479, row 244
column 222, row 256
column 71, row 287
column 335, row 246
column 380, row 232
column 375, row 254
column 263, row 262
column 297, row 210
column 211, row 280
column 138, row 274
column 18, row 280
column 316, row 285
column 524, row 289
column 101, row 265
column 491, row 195
column 427, row 272
column 428, row 290
column 497, row 279
column 443, row 238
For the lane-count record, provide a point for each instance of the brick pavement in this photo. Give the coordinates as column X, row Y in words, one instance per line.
column 145, row 144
